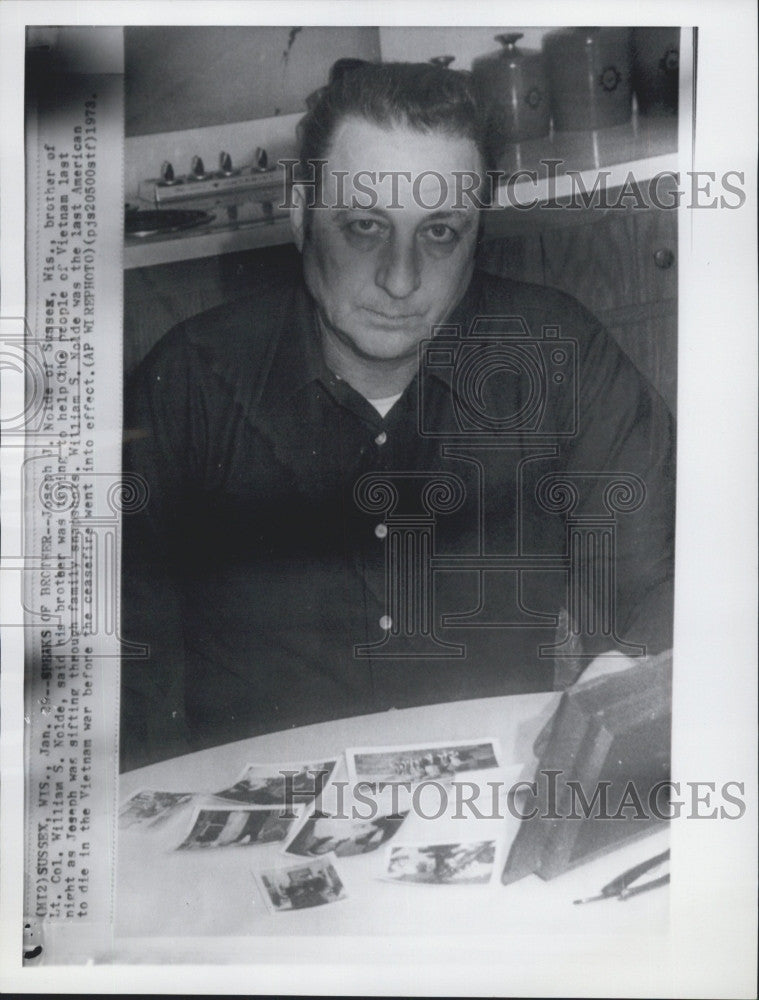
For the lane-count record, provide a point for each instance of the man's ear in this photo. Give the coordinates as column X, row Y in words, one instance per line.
column 298, row 214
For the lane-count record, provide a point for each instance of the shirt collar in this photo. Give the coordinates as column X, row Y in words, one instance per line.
column 296, row 358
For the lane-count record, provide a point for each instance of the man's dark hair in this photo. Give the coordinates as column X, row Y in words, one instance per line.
column 422, row 96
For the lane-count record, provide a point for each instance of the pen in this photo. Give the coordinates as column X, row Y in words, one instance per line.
column 643, row 887
column 621, row 884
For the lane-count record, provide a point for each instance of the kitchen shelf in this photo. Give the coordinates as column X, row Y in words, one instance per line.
column 643, row 148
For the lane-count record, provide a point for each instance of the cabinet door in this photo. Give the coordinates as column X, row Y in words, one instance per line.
column 595, row 259
column 519, row 256
column 620, row 258
column 622, row 265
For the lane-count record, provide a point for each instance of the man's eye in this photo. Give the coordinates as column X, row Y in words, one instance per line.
column 440, row 233
column 365, row 227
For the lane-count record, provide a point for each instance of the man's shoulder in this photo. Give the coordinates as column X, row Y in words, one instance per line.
column 242, row 329
column 226, row 354
column 536, row 304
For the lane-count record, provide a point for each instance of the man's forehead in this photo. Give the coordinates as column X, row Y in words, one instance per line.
column 400, row 160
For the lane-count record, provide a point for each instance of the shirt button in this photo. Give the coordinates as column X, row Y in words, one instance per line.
column 381, row 530
column 381, row 438
column 386, row 622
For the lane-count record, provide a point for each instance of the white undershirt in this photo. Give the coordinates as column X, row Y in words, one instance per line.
column 383, row 406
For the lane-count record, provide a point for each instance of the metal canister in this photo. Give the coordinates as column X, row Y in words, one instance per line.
column 589, row 73
column 513, row 87
column 656, row 63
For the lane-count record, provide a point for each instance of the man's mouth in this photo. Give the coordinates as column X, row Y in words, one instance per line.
column 394, row 319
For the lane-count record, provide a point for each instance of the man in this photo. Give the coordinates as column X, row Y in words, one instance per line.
column 330, row 493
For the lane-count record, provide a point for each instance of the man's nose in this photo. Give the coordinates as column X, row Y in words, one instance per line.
column 398, row 268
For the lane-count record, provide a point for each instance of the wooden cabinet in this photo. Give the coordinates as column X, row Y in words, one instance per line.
column 621, row 264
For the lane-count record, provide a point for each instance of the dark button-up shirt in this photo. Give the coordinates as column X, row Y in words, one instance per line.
column 302, row 558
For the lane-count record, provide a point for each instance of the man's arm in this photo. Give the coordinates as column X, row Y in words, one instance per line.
column 158, row 445
column 626, row 427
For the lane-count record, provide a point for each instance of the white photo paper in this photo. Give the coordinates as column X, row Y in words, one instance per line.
column 366, row 382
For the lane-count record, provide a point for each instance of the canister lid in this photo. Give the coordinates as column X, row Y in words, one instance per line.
column 509, row 41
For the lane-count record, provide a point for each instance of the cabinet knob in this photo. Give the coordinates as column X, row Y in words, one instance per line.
column 664, row 259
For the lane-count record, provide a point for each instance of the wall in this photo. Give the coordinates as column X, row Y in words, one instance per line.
column 188, row 77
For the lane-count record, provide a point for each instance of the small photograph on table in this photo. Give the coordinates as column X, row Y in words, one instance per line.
column 267, row 784
column 238, row 826
column 150, row 807
column 441, row 864
column 425, row 762
column 343, row 836
column 297, row 888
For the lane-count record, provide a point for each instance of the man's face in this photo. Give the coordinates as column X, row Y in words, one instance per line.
column 384, row 274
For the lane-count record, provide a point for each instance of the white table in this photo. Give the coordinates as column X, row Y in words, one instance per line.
column 204, row 906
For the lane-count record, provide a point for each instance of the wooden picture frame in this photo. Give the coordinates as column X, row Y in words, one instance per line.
column 609, row 738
